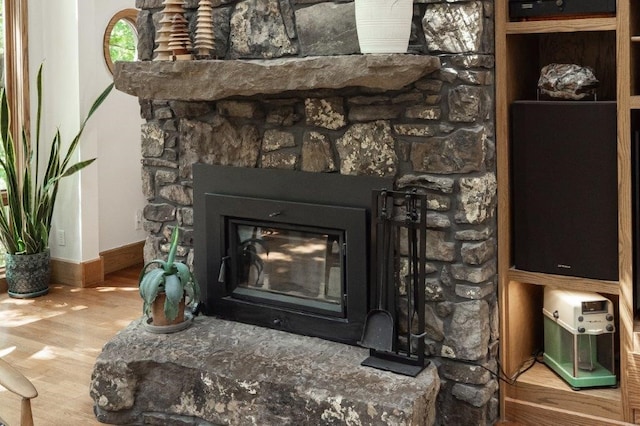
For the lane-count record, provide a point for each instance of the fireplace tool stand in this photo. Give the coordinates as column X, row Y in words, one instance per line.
column 395, row 328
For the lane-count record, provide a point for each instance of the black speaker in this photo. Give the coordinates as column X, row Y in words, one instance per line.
column 564, row 188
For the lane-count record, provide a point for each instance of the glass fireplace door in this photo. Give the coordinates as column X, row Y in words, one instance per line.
column 288, row 265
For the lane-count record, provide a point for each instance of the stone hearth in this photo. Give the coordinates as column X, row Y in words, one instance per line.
column 222, row 372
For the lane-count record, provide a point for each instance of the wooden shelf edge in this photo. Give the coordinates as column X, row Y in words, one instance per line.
column 576, row 283
column 635, row 347
column 561, row 25
column 541, row 378
column 526, row 413
column 634, row 102
column 540, row 390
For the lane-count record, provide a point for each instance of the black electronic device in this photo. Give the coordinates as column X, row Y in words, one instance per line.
column 528, row 9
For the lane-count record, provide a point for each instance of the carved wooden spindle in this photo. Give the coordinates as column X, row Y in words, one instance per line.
column 162, row 51
column 165, row 33
column 204, row 30
column 179, row 41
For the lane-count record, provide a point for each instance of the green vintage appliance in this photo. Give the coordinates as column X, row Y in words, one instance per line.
column 579, row 335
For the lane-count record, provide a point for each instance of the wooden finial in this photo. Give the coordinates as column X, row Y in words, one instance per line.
column 172, row 37
column 204, row 30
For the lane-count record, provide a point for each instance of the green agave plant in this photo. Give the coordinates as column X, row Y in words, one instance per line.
column 171, row 277
column 25, row 224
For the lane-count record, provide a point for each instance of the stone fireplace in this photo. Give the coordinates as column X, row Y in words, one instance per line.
column 288, row 90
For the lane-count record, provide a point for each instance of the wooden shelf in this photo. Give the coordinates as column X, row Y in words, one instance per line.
column 543, row 387
column 561, row 26
column 634, row 102
column 574, row 283
column 610, row 45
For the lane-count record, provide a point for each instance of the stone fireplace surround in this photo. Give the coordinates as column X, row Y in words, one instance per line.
column 424, row 118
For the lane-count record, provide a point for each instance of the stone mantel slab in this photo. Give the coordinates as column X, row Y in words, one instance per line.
column 210, row 80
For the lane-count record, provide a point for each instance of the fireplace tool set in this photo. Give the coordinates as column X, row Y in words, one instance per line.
column 394, row 330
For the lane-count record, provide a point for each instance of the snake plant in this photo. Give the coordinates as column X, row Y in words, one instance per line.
column 25, row 224
column 171, row 277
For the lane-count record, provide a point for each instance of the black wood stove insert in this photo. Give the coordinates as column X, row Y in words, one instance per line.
column 285, row 249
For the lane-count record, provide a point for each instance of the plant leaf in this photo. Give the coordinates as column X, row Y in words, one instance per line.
column 25, row 223
column 173, row 248
column 143, row 271
column 184, row 274
column 150, row 285
column 175, row 292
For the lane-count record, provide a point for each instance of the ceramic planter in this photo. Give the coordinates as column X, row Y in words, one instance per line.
column 28, row 274
column 383, row 26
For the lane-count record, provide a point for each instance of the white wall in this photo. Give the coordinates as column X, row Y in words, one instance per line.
column 118, row 136
column 96, row 209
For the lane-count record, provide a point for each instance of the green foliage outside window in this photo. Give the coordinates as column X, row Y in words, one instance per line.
column 122, row 43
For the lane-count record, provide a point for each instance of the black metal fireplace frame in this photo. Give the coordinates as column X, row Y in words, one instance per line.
column 284, row 198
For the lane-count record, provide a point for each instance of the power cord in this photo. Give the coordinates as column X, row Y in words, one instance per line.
column 501, row 375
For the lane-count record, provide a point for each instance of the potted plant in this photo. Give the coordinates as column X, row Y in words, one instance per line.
column 383, row 26
column 25, row 223
column 166, row 290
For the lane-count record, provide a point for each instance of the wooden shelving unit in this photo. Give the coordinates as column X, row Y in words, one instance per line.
column 611, row 45
column 561, row 26
column 541, row 387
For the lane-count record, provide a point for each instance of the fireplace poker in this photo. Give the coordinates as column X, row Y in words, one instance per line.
column 378, row 332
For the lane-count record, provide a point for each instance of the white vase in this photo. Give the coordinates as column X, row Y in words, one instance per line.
column 383, row 26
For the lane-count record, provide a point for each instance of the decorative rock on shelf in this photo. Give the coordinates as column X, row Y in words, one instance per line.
column 384, row 26
column 567, row 81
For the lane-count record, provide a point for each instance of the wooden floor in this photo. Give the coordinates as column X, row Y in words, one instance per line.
column 55, row 339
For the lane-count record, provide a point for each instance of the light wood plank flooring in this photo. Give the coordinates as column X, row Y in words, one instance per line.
column 55, row 339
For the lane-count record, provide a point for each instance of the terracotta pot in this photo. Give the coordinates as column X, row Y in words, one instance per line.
column 157, row 312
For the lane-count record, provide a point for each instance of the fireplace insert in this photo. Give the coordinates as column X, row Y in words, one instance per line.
column 285, row 249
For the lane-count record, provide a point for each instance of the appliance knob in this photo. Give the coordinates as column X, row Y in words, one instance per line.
column 277, row 322
column 559, row 3
column 580, row 319
column 609, row 317
column 581, row 330
column 609, row 327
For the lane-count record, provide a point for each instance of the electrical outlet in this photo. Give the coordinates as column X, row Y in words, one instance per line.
column 61, row 238
column 138, row 219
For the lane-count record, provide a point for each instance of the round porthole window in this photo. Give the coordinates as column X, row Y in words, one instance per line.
column 120, row 42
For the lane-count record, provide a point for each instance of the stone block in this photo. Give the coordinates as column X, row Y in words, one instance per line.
column 327, row 29
column 463, row 151
column 223, row 372
column 453, row 27
column 368, row 149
